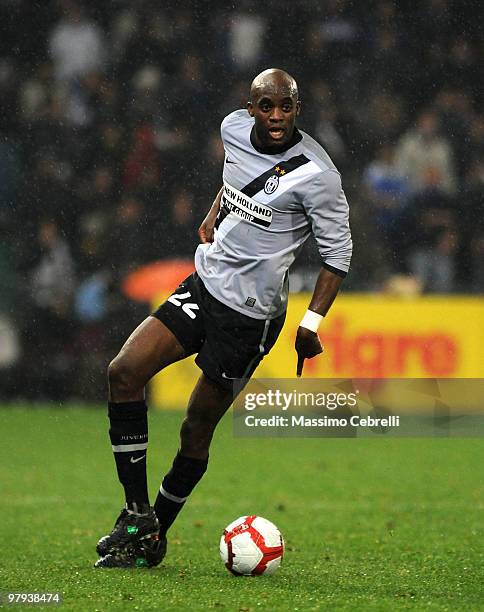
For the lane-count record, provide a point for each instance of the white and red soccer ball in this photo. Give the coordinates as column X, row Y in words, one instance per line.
column 251, row 546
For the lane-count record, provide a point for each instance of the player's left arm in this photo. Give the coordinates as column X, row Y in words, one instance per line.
column 326, row 206
column 308, row 344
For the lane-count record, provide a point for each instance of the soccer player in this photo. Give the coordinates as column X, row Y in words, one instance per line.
column 279, row 186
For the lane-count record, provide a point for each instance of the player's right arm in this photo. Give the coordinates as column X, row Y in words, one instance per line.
column 206, row 229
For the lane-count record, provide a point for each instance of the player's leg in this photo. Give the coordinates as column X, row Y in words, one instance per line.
column 234, row 345
column 151, row 347
column 173, row 332
column 208, row 403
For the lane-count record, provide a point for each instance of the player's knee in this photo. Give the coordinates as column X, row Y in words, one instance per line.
column 120, row 376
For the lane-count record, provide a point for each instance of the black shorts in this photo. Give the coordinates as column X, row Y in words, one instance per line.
column 230, row 345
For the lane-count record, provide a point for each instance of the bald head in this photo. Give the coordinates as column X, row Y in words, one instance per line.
column 273, row 82
column 274, row 104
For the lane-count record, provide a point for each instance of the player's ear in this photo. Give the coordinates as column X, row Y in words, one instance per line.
column 250, row 108
column 298, row 107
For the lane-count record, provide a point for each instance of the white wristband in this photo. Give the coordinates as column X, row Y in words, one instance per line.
column 311, row 320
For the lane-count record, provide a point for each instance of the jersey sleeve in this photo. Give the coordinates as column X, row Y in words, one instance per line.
column 327, row 208
column 229, row 126
column 223, row 128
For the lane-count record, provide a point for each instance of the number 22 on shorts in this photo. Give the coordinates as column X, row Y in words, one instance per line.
column 188, row 307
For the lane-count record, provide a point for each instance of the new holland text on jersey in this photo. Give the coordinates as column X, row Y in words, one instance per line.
column 245, row 207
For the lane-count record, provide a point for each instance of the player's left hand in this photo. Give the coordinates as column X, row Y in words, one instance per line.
column 308, row 345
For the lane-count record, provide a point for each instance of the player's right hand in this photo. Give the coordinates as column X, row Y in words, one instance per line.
column 308, row 345
column 206, row 229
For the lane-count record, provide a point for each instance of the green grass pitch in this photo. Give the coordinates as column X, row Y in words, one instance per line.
column 370, row 524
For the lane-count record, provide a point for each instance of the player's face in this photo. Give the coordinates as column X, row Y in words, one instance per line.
column 274, row 116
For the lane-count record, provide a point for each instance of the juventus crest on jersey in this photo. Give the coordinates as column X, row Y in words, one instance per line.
column 271, row 203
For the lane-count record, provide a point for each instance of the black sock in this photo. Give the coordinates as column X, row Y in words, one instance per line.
column 129, row 438
column 177, row 485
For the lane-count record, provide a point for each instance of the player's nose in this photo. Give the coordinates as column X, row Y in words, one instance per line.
column 276, row 114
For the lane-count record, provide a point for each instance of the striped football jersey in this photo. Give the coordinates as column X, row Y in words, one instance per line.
column 271, row 204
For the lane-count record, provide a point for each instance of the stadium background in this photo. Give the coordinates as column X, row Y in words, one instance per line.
column 110, row 156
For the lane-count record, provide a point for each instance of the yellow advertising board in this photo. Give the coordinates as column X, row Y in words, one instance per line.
column 367, row 336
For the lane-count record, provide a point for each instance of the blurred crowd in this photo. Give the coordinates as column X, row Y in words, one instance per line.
column 110, row 152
